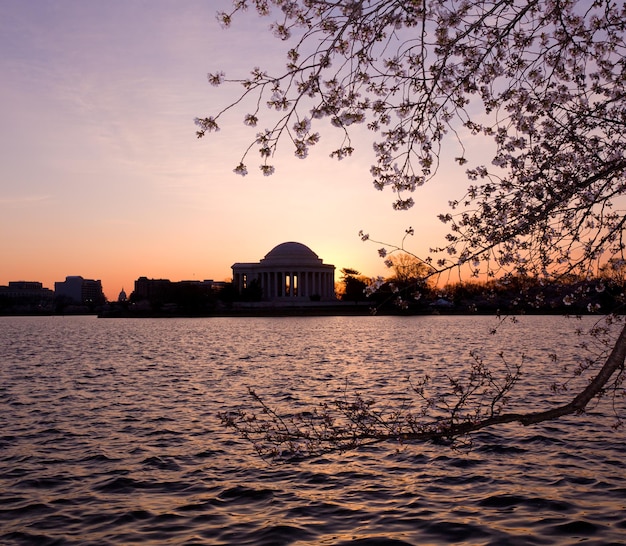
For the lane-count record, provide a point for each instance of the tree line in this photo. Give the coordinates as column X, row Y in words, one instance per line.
column 409, row 288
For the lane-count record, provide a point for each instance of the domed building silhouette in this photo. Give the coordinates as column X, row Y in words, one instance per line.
column 289, row 272
column 122, row 297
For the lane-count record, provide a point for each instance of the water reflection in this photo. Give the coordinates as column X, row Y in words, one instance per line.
column 108, row 435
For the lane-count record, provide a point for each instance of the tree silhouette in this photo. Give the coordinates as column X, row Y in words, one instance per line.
column 407, row 269
column 543, row 82
column 354, row 285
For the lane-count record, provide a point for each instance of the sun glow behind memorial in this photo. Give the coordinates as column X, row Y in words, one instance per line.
column 103, row 176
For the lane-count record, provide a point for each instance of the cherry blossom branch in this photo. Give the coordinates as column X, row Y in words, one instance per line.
column 349, row 424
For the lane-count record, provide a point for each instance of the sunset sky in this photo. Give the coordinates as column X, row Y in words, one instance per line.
column 102, row 174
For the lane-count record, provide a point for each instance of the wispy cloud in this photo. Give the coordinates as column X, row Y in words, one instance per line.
column 25, row 200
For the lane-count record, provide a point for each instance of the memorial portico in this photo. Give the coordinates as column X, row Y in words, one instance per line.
column 290, row 270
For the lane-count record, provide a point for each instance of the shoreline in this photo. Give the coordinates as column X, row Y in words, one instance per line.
column 330, row 311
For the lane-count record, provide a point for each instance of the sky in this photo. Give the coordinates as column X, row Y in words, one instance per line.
column 101, row 174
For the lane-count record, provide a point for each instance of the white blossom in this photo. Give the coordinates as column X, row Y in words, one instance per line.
column 267, row 170
column 251, row 120
column 216, row 79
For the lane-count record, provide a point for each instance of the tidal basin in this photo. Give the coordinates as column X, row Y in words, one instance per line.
column 109, row 435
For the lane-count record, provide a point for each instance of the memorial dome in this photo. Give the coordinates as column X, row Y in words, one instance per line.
column 289, row 272
column 292, row 253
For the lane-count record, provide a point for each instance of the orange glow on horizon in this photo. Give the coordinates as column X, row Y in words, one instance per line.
column 104, row 177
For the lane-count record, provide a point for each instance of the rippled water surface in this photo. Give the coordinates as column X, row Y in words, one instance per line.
column 109, row 435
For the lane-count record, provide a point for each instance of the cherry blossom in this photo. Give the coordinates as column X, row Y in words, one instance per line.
column 544, row 80
column 541, row 83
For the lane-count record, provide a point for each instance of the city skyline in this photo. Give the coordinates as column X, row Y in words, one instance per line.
column 285, row 250
column 103, row 175
column 125, row 289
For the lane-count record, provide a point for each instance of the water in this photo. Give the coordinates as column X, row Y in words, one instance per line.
column 109, row 435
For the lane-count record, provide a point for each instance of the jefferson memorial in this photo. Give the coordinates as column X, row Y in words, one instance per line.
column 289, row 272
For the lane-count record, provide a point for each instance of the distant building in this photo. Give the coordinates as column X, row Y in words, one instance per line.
column 166, row 291
column 28, row 292
column 289, row 272
column 150, row 289
column 79, row 290
column 122, row 297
